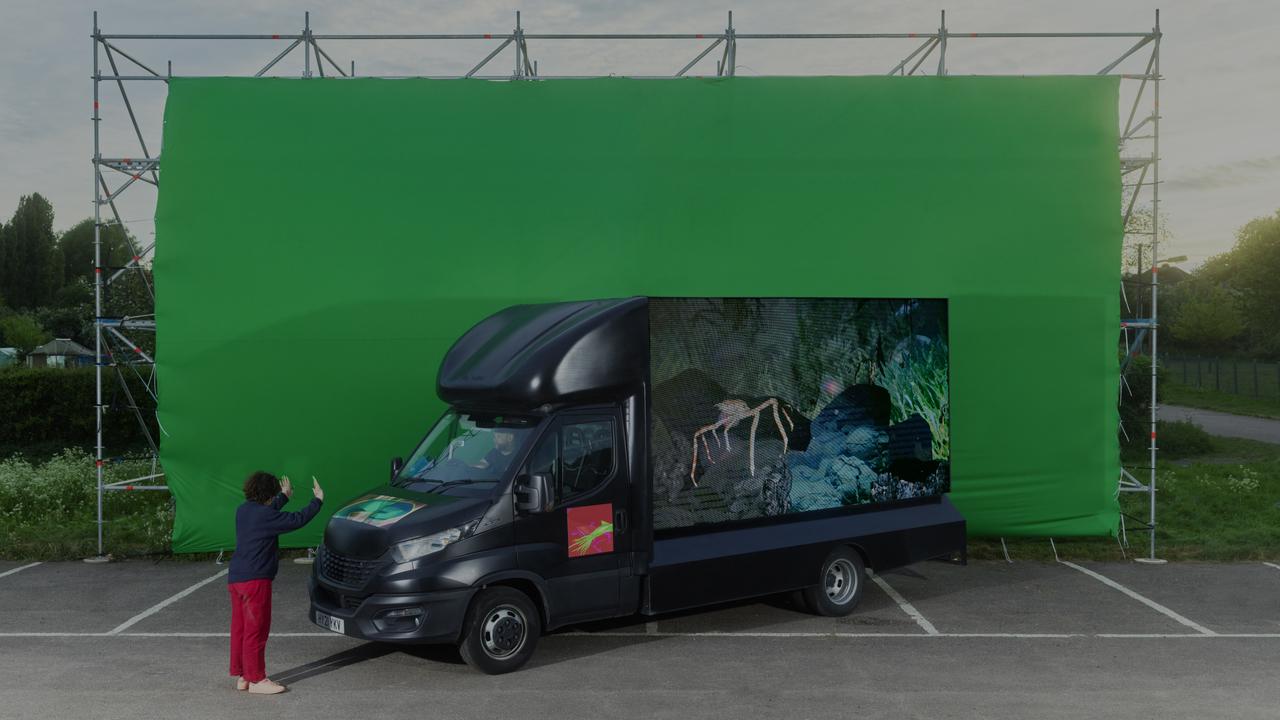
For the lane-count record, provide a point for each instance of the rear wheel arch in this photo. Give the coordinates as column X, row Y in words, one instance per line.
column 862, row 552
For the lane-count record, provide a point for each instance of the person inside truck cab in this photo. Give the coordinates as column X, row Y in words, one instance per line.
column 504, row 447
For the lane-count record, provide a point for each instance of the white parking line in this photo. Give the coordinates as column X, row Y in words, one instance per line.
column 163, row 604
column 749, row 634
column 1140, row 598
column 1265, row 563
column 228, row 634
column 833, row 634
column 157, row 635
column 7, row 573
column 907, row 607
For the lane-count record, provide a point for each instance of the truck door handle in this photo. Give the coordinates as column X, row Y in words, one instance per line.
column 620, row 520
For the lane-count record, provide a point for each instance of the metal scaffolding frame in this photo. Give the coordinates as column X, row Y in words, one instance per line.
column 118, row 353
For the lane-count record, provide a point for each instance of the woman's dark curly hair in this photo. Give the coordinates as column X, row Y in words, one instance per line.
column 261, row 486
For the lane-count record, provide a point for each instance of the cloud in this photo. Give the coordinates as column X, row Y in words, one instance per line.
column 1238, row 172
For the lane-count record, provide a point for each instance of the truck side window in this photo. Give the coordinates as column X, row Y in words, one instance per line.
column 586, row 456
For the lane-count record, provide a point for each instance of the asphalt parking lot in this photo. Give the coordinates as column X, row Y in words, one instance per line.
column 1023, row 640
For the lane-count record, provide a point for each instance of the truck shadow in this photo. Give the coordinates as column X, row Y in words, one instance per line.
column 636, row 629
column 621, row 633
column 637, row 623
column 336, row 661
column 444, row 654
column 360, row 653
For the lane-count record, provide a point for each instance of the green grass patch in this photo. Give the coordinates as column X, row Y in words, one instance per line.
column 1219, row 505
column 1222, row 505
column 1172, row 393
column 48, row 509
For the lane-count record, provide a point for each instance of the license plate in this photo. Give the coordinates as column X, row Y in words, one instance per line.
column 329, row 622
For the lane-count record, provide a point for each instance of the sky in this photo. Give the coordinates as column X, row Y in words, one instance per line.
column 1220, row 97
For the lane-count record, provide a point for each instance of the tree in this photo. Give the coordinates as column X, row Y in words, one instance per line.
column 72, row 316
column 30, row 261
column 22, row 332
column 77, row 249
column 1207, row 317
column 1135, row 252
column 1251, row 270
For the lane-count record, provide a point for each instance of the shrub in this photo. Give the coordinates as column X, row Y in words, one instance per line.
column 65, row 486
column 53, row 408
column 1135, row 402
column 48, row 509
column 1182, row 438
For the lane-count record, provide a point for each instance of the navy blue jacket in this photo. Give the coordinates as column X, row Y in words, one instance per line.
column 258, row 528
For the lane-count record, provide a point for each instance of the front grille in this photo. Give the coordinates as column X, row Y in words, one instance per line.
column 335, row 600
column 343, row 570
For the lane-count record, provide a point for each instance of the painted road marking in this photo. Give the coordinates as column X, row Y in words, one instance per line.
column 841, row 635
column 163, row 604
column 1142, row 599
column 833, row 634
column 1265, row 563
column 6, row 573
column 906, row 607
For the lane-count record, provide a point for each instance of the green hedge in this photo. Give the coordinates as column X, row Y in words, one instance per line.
column 52, row 408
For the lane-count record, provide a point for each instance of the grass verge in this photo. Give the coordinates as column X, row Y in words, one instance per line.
column 1221, row 506
column 1172, row 393
column 48, row 508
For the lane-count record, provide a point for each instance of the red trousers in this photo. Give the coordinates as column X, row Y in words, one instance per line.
column 250, row 626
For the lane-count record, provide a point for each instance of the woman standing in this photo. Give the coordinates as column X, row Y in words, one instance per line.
column 259, row 524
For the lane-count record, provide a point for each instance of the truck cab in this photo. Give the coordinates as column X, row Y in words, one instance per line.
column 528, row 506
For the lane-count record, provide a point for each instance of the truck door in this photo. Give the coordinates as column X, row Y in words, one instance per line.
column 581, row 545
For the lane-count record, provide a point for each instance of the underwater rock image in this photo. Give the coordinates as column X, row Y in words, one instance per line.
column 764, row 407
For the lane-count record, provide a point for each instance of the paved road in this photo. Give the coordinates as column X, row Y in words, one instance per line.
column 1225, row 424
column 994, row 640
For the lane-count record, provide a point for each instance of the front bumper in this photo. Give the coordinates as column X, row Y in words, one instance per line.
column 440, row 620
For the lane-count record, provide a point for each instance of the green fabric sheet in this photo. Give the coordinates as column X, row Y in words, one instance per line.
column 320, row 243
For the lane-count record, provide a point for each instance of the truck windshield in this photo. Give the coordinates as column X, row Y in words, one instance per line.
column 465, row 449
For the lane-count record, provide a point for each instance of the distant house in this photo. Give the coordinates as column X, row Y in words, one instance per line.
column 8, row 356
column 60, row 353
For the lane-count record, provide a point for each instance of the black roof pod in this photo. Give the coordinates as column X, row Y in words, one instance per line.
column 527, row 356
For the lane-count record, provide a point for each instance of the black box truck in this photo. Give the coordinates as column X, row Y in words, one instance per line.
column 644, row 455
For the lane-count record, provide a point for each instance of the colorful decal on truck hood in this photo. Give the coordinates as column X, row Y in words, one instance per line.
column 379, row 510
column 590, row 529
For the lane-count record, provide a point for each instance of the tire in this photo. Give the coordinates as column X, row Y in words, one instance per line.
column 839, row 589
column 501, row 631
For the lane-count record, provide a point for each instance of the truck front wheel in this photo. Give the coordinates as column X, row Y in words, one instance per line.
column 843, row 573
column 501, row 631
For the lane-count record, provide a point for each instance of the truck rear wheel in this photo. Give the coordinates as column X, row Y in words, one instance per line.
column 842, row 577
column 501, row 631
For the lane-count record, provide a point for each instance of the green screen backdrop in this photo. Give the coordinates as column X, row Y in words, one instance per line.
column 322, row 242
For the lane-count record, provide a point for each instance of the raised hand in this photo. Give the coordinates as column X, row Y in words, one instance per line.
column 286, row 487
column 316, row 489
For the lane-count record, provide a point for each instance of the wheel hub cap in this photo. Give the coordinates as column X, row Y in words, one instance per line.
column 841, row 581
column 504, row 632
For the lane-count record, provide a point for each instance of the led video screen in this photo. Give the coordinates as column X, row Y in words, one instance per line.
column 772, row 406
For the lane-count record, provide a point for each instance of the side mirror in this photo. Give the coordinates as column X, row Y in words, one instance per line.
column 534, row 494
column 396, row 465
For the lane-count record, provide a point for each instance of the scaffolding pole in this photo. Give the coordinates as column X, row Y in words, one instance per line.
column 145, row 167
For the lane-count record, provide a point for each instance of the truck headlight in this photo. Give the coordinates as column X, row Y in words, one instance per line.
column 434, row 543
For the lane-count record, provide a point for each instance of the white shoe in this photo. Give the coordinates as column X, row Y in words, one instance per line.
column 266, row 687
column 242, row 684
